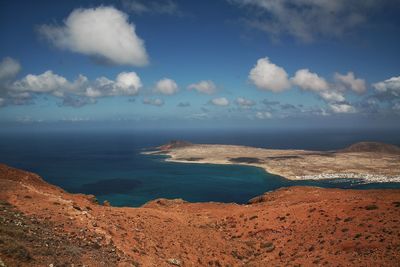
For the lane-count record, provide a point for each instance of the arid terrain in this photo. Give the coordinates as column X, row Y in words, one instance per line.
column 374, row 161
column 42, row 225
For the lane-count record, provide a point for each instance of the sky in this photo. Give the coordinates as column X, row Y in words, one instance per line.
column 220, row 63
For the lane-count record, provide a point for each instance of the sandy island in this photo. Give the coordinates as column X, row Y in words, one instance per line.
column 371, row 161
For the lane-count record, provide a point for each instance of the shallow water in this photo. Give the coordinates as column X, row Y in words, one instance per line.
column 110, row 165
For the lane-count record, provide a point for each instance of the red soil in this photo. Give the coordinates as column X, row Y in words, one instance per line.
column 291, row 226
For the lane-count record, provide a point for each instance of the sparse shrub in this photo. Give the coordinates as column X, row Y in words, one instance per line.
column 349, row 219
column 371, row 207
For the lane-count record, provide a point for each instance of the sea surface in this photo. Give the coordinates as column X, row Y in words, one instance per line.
column 109, row 163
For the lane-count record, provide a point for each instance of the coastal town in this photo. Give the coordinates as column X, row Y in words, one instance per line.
column 362, row 177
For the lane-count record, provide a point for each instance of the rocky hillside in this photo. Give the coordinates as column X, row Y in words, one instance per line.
column 372, row 147
column 174, row 144
column 42, row 225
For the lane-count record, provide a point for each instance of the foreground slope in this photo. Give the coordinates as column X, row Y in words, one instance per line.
column 42, row 224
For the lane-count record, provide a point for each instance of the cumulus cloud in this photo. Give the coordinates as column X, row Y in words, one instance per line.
column 166, row 86
column 350, row 81
column 220, row 101
column 9, row 68
column 332, row 96
column 268, row 76
column 126, row 83
column 74, row 93
column 342, row 108
column 263, row 115
column 307, row 19
column 43, row 83
column 166, row 7
column 391, row 86
column 206, row 87
column 309, row 81
column 102, row 32
column 244, row 102
column 388, row 92
column 153, row 101
column 183, row 104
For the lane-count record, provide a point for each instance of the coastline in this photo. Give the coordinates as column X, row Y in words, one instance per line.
column 370, row 167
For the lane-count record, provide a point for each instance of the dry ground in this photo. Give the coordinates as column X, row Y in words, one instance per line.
column 297, row 226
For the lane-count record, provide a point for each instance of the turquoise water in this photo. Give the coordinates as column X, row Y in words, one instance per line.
column 110, row 165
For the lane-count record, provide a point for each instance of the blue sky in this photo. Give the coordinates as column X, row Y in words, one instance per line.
column 244, row 63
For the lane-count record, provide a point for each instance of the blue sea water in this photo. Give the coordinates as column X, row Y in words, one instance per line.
column 109, row 164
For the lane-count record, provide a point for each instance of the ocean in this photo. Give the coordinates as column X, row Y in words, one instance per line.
column 109, row 163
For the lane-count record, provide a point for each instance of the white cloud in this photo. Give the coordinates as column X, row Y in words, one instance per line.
column 153, row 101
column 307, row 19
column 220, row 101
column 332, row 96
column 268, row 76
column 43, row 83
column 309, row 81
column 388, row 92
column 350, row 81
column 244, row 102
column 126, row 83
column 391, row 85
column 206, row 87
column 263, row 115
column 103, row 32
column 342, row 108
column 166, row 86
column 9, row 68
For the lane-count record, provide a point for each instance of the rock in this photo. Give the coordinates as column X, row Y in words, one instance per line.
column 106, row 203
column 165, row 202
column 175, row 262
column 257, row 199
column 268, row 246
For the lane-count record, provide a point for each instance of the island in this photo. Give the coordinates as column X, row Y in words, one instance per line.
column 371, row 161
